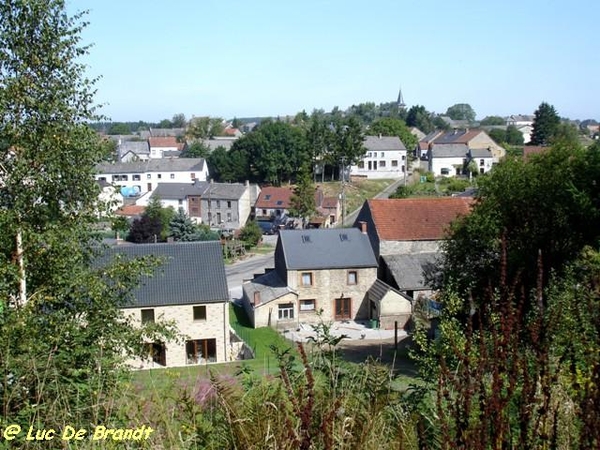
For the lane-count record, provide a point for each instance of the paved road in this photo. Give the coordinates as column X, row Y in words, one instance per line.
column 245, row 269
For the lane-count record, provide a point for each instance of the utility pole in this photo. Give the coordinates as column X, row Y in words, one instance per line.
column 343, row 194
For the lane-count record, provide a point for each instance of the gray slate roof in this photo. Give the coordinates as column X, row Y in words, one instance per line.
column 270, row 286
column 137, row 147
column 193, row 273
column 408, row 269
column 326, row 248
column 153, row 165
column 481, row 153
column 380, row 288
column 383, row 143
column 213, row 191
column 212, row 144
column 449, row 150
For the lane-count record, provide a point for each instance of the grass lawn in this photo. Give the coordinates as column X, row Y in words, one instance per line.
column 356, row 192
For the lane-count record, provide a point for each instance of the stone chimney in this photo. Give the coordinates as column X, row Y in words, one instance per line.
column 256, row 298
column 363, row 227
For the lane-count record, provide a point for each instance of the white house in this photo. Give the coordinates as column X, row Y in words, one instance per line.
column 137, row 178
column 385, row 158
column 452, row 159
column 164, row 147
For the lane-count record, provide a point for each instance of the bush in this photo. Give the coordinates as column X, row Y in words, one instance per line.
column 251, row 234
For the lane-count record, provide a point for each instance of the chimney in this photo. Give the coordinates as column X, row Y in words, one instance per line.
column 379, row 135
column 256, row 298
column 247, row 183
column 363, row 227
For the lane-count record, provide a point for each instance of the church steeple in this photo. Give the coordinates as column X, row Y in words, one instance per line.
column 401, row 104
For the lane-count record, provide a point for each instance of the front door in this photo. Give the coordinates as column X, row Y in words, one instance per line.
column 342, row 308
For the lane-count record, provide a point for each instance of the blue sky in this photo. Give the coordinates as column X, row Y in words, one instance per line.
column 278, row 57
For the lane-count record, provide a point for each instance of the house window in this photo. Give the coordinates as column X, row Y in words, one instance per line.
column 369, row 154
column 159, row 176
column 481, row 170
column 219, row 218
column 209, row 217
column 228, row 217
column 352, row 277
column 445, row 171
column 201, row 351
column 218, row 203
column 199, row 313
column 481, row 162
column 381, row 154
column 229, row 204
column 147, row 316
column 136, row 177
column 286, row 311
column 180, row 202
column 307, row 279
column 307, row 305
column 361, row 164
column 403, row 157
column 394, row 163
column 381, row 164
column 148, row 176
column 264, row 212
column 157, row 352
column 193, row 176
column 268, row 197
column 172, row 176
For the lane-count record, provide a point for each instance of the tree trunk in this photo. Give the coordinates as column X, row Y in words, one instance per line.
column 22, row 299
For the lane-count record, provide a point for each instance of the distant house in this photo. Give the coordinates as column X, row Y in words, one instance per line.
column 385, row 157
column 165, row 147
column 406, row 235
column 128, row 151
column 141, row 177
column 417, row 133
column 166, row 132
column 219, row 205
column 328, row 210
column 273, row 202
column 219, row 141
column 453, row 159
column 190, row 289
column 474, row 140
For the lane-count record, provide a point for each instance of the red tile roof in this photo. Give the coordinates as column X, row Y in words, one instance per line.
column 169, row 141
column 130, row 210
column 274, row 198
column 416, row 219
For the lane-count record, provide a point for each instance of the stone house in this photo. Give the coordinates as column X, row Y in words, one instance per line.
column 452, row 159
column 322, row 274
column 473, row 139
column 225, row 206
column 190, row 289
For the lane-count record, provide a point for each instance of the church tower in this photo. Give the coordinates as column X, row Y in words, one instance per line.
column 401, row 104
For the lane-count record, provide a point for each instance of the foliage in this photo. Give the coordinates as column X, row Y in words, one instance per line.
column 492, row 120
column 196, row 149
column 156, row 212
column 181, row 228
column 119, row 128
column 510, row 136
column 461, row 111
column 204, row 127
column 420, row 118
column 302, row 202
column 251, row 234
column 394, row 127
column 63, row 337
column 545, row 124
column 229, row 166
column 178, row 121
column 145, row 230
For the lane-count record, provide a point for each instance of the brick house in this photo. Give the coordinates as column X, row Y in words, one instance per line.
column 190, row 289
column 328, row 270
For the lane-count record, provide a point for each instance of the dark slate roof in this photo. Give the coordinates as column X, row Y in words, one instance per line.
column 178, row 191
column 224, row 191
column 408, row 269
column 449, row 150
column 481, row 153
column 153, row 165
column 327, row 248
column 379, row 289
column 270, row 286
column 383, row 143
column 137, row 147
column 193, row 272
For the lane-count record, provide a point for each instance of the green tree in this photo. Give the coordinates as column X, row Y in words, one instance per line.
column 229, row 166
column 394, row 127
column 493, row 120
column 498, row 135
column 302, row 202
column 179, row 121
column 196, row 150
column 318, row 137
column 63, row 338
column 514, row 136
column 158, row 213
column 165, row 123
column 461, row 111
column 181, row 227
column 545, row 124
column 345, row 147
column 119, row 128
column 204, row 127
column 251, row 234
column 420, row 118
